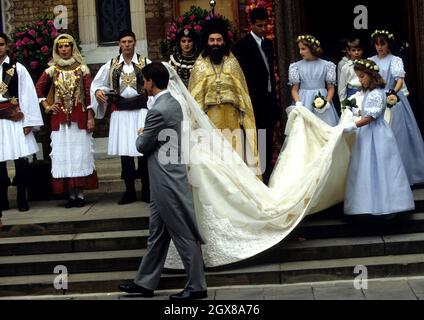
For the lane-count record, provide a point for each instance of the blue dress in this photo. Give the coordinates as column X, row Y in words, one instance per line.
column 404, row 125
column 313, row 76
column 377, row 183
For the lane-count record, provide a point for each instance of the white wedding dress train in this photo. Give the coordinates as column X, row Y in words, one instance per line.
column 239, row 216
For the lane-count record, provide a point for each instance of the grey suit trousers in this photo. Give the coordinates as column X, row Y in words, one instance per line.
column 151, row 267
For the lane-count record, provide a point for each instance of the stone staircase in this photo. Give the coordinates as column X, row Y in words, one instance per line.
column 102, row 244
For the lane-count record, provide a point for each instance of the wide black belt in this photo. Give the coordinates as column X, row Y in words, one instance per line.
column 129, row 104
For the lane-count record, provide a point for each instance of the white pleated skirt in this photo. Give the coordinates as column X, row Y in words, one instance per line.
column 72, row 152
column 123, row 132
column 14, row 144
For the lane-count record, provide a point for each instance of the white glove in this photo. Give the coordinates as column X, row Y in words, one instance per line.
column 290, row 109
column 356, row 112
column 350, row 127
column 299, row 104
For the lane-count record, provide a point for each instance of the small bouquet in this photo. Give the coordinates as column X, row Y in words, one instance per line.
column 350, row 104
column 320, row 104
column 392, row 99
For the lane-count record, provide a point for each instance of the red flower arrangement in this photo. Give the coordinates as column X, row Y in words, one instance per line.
column 32, row 45
column 194, row 19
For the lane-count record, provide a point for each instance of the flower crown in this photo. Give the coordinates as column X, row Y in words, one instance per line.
column 310, row 39
column 368, row 64
column 383, row 33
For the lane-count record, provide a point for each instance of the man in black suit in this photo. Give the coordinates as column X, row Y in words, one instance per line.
column 256, row 56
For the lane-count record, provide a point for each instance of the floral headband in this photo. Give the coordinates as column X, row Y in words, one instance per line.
column 368, row 64
column 310, row 39
column 383, row 33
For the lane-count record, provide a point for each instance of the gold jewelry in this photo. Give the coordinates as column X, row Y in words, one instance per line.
column 64, row 41
column 129, row 79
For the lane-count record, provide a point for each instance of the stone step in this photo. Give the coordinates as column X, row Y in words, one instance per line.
column 78, row 262
column 271, row 274
column 136, row 217
column 26, row 251
column 83, row 242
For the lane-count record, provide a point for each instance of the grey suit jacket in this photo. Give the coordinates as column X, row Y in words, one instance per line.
column 170, row 189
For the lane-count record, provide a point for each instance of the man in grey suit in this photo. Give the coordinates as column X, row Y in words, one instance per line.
column 172, row 210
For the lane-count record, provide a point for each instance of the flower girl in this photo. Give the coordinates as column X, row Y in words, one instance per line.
column 313, row 80
column 377, row 183
column 403, row 123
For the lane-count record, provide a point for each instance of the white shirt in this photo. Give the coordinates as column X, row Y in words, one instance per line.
column 259, row 43
column 152, row 100
column 347, row 78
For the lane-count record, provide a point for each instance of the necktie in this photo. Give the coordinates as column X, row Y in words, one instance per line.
column 264, row 48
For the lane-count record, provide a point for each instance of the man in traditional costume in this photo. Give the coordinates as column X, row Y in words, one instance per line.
column 218, row 85
column 64, row 92
column 19, row 114
column 119, row 85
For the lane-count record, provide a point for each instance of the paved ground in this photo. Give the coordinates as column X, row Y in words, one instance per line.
column 378, row 289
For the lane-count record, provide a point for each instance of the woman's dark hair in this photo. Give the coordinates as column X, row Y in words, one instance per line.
column 376, row 80
column 258, row 14
column 188, row 34
column 311, row 42
column 383, row 36
column 158, row 73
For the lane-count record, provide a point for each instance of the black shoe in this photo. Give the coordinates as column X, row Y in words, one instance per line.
column 134, row 288
column 79, row 203
column 127, row 198
column 70, row 204
column 23, row 205
column 145, row 197
column 5, row 206
column 189, row 295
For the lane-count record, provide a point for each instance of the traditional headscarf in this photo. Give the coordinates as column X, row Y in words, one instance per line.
column 66, row 38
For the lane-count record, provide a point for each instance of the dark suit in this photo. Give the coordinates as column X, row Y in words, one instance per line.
column 172, row 213
column 265, row 104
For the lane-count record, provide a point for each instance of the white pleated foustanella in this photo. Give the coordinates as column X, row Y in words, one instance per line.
column 14, row 144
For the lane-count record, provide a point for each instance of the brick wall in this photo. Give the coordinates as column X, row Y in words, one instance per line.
column 159, row 15
column 26, row 11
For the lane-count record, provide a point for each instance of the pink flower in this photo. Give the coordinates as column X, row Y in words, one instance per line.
column 54, row 33
column 50, row 22
column 25, row 40
column 45, row 31
column 207, row 18
column 45, row 50
column 180, row 19
column 173, row 28
column 188, row 27
column 192, row 17
column 40, row 23
column 31, row 42
column 198, row 28
column 31, row 32
column 18, row 44
column 34, row 65
column 38, row 40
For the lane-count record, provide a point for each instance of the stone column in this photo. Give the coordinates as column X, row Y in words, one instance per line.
column 289, row 23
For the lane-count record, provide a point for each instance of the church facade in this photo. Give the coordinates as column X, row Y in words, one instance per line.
column 96, row 24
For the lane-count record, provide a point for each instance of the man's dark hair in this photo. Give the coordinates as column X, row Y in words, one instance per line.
column 126, row 33
column 5, row 37
column 258, row 14
column 157, row 72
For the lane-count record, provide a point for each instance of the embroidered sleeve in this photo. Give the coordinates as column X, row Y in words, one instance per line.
column 397, row 69
column 374, row 105
column 331, row 77
column 294, row 76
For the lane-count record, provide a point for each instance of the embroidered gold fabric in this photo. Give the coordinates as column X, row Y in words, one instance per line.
column 216, row 89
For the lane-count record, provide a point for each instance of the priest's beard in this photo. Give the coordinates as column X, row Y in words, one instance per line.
column 216, row 53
